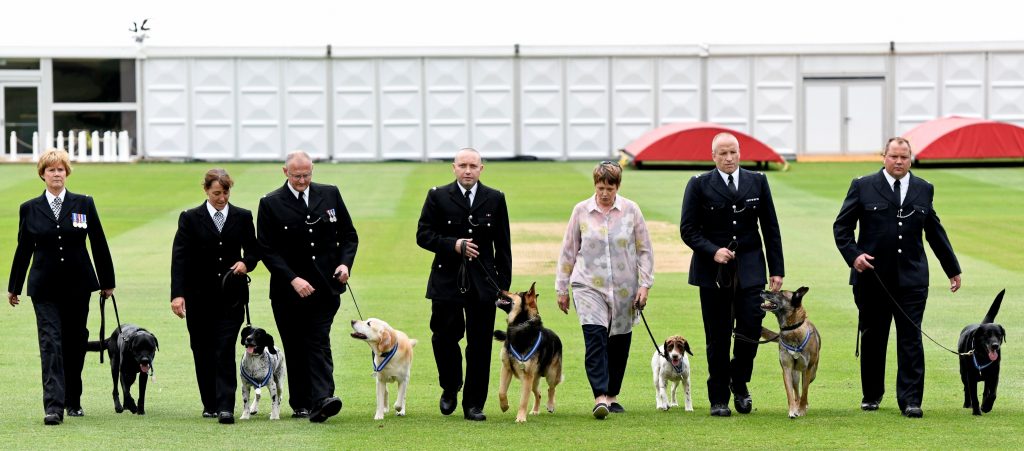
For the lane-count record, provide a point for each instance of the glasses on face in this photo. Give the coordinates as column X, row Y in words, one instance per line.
column 613, row 163
column 300, row 176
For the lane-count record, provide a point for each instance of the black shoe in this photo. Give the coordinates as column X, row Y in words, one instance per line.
column 448, row 402
column 743, row 403
column 720, row 410
column 913, row 412
column 52, row 419
column 327, row 408
column 474, row 414
column 226, row 418
column 869, row 405
column 616, row 408
column 298, row 413
column 600, row 410
column 76, row 412
column 209, row 414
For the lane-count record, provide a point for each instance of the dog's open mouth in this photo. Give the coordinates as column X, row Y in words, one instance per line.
column 250, row 349
column 358, row 336
column 769, row 306
column 144, row 368
column 993, row 354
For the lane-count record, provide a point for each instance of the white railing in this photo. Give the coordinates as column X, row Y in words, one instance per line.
column 106, row 147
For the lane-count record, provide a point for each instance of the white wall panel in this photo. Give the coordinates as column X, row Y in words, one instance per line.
column 775, row 103
column 213, row 109
column 165, row 108
column 542, row 108
column 259, row 109
column 305, row 106
column 1006, row 89
column 823, row 110
column 447, row 106
column 587, row 106
column 729, row 92
column 842, row 65
column 917, row 96
column 492, row 107
column 679, row 90
column 963, row 85
column 633, row 85
column 401, row 108
column 355, row 109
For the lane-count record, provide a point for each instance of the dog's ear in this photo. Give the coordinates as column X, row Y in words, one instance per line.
column 686, row 347
column 532, row 290
column 664, row 346
column 270, row 344
column 246, row 331
column 386, row 340
column 798, row 296
column 1002, row 334
column 156, row 342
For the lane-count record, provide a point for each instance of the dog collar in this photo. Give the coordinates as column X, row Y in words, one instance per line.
column 266, row 379
column 800, row 348
column 522, row 358
column 793, row 327
column 383, row 363
column 974, row 359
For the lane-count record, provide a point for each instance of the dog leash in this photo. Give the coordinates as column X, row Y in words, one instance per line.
column 655, row 342
column 223, row 286
column 103, row 319
column 352, row 293
column 905, row 315
column 463, row 276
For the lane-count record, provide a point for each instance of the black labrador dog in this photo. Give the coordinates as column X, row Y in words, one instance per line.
column 131, row 350
column 979, row 358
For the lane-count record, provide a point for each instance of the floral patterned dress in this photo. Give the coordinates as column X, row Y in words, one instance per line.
column 606, row 258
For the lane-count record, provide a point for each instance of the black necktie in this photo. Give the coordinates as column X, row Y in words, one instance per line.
column 469, row 201
column 732, row 185
column 302, row 199
column 896, row 192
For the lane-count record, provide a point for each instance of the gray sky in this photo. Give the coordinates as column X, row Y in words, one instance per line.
column 491, row 22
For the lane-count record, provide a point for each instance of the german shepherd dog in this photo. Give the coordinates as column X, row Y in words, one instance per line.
column 131, row 350
column 530, row 352
column 979, row 358
column 799, row 344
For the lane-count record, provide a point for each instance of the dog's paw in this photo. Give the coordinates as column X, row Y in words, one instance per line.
column 551, row 408
column 689, row 408
column 275, row 416
column 378, row 416
column 140, row 412
column 673, row 404
column 521, row 418
column 662, row 406
column 245, row 415
column 400, row 412
column 976, row 412
column 118, row 409
column 504, row 405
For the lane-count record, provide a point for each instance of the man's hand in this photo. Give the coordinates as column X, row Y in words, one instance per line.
column 178, row 306
column 862, row 262
column 563, row 303
column 239, row 268
column 774, row 283
column 954, row 283
column 341, row 273
column 471, row 248
column 724, row 255
column 13, row 299
column 303, row 288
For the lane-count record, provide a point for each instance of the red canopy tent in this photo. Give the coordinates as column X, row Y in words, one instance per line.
column 691, row 141
column 959, row 138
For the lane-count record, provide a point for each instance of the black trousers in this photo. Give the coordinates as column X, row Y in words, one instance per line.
column 875, row 316
column 724, row 309
column 61, row 325
column 606, row 359
column 305, row 328
column 213, row 334
column 450, row 319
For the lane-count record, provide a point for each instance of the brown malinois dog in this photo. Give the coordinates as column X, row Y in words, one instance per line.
column 799, row 344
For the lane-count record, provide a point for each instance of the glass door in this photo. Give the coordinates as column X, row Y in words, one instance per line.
column 20, row 114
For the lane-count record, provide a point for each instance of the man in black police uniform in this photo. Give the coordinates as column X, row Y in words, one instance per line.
column 721, row 213
column 465, row 219
column 309, row 245
column 893, row 208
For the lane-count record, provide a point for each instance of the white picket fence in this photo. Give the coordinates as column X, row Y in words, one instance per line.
column 105, row 147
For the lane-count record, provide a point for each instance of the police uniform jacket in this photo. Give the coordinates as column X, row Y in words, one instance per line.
column 56, row 247
column 201, row 255
column 446, row 218
column 892, row 233
column 296, row 241
column 713, row 217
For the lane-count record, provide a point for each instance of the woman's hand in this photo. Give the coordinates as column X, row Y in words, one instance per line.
column 563, row 303
column 239, row 268
column 178, row 306
column 13, row 299
column 640, row 301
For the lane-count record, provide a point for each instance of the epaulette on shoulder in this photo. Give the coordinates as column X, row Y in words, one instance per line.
column 434, row 188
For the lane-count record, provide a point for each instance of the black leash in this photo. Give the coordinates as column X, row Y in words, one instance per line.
column 893, row 299
column 223, row 287
column 653, row 341
column 103, row 320
column 352, row 293
column 463, row 277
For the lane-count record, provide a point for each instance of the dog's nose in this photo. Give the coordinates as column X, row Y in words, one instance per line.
column 353, row 322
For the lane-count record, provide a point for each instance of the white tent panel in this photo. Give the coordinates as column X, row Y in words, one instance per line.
column 679, row 90
column 493, row 107
column 355, row 109
column 166, row 108
column 447, row 106
column 259, row 109
column 542, row 107
column 1006, row 88
column 864, row 118
column 401, row 108
column 917, row 96
column 633, row 85
column 213, row 108
column 963, row 85
column 846, row 65
column 775, row 103
column 729, row 92
column 823, row 105
column 587, row 108
column 305, row 110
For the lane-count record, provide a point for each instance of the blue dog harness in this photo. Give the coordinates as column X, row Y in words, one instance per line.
column 798, row 349
column 522, row 358
column 252, row 380
column 387, row 358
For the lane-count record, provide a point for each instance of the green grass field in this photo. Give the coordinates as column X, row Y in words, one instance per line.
column 981, row 209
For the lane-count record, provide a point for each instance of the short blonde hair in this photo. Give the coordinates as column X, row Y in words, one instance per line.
column 53, row 157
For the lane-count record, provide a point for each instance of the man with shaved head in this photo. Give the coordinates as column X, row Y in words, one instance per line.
column 465, row 225
column 308, row 244
column 726, row 213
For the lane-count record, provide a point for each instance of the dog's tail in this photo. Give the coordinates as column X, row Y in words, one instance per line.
column 500, row 335
column 768, row 334
column 990, row 317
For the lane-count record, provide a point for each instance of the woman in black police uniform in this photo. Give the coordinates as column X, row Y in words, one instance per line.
column 52, row 229
column 209, row 244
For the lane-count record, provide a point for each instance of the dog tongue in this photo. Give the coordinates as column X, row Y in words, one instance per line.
column 144, row 368
column 992, row 355
column 250, row 349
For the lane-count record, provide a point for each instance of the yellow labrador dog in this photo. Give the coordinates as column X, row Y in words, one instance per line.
column 392, row 360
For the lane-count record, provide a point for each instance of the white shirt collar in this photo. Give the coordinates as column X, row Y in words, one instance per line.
column 903, row 181
column 212, row 210
column 50, row 197
column 295, row 193
column 472, row 191
column 592, row 204
column 735, row 176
